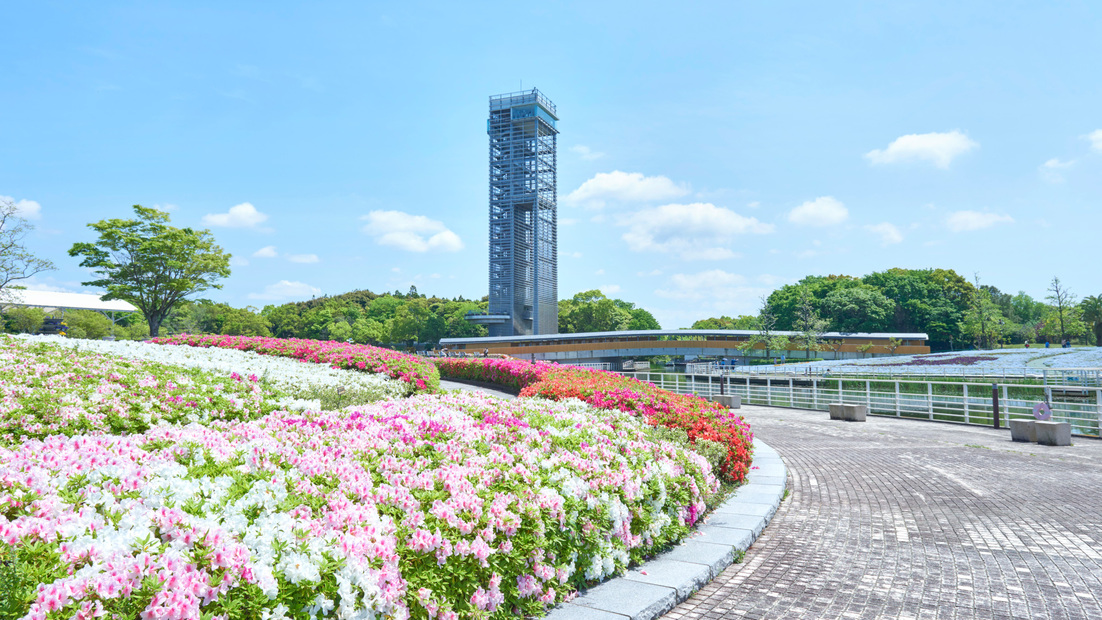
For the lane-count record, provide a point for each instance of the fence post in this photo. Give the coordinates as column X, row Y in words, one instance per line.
column 841, row 399
column 1006, row 399
column 768, row 390
column 995, row 404
column 897, row 403
column 692, row 384
column 868, row 395
column 815, row 394
column 1098, row 403
column 966, row 403
column 791, row 394
column 930, row 398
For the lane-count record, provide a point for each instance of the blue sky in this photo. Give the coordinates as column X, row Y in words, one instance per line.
column 709, row 152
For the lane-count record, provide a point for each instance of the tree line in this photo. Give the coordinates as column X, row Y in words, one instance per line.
column 952, row 311
column 158, row 267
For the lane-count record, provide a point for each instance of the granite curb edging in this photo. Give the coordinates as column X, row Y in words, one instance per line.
column 656, row 587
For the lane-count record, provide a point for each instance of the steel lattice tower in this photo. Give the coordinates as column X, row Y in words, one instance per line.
column 523, row 216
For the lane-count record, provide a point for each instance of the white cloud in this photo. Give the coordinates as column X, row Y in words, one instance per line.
column 413, row 233
column 268, row 251
column 620, row 186
column 237, row 261
column 42, row 286
column 1050, row 170
column 243, row 215
column 303, row 258
column 753, row 205
column 610, row 289
column 26, row 209
column 599, row 272
column 823, row 211
column 939, row 148
column 567, row 221
column 586, row 153
column 285, row 289
column 964, row 221
column 887, row 232
column 168, row 208
column 693, row 231
column 714, row 291
column 1096, row 139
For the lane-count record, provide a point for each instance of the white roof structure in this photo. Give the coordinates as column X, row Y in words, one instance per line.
column 69, row 301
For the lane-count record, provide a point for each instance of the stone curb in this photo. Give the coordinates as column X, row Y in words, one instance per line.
column 659, row 585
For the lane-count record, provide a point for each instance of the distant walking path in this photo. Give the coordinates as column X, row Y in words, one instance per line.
column 908, row 519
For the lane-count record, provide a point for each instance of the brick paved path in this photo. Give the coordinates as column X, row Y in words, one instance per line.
column 905, row 519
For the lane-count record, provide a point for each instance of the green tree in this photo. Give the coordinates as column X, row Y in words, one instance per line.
column 858, row 309
column 808, row 323
column 766, row 325
column 983, row 319
column 591, row 311
column 1091, row 308
column 368, row 331
column 150, row 264
column 91, row 324
column 16, row 263
column 23, row 319
column 743, row 322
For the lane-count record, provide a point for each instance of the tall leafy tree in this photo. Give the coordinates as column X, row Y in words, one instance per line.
column 982, row 321
column 16, row 262
column 150, row 264
column 1092, row 314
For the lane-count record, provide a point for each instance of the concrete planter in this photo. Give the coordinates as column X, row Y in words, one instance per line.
column 854, row 413
column 837, row 411
column 1023, row 430
column 731, row 402
column 1053, row 433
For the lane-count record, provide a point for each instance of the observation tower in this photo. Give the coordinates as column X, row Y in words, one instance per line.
column 524, row 296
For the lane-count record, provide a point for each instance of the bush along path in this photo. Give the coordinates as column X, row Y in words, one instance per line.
column 706, row 423
column 419, row 374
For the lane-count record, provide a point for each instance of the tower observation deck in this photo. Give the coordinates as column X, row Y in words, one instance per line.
column 523, row 216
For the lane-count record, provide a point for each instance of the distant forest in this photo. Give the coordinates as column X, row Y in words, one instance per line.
column 952, row 311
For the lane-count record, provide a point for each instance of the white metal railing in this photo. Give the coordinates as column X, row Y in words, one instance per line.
column 949, row 401
column 1087, row 377
column 589, row 365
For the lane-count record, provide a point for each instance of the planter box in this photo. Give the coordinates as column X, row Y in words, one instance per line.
column 854, row 413
column 1023, row 430
column 837, row 411
column 1053, row 433
column 731, row 402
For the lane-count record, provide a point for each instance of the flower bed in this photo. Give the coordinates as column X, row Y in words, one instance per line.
column 700, row 418
column 306, row 385
column 420, row 375
column 46, row 391
column 434, row 506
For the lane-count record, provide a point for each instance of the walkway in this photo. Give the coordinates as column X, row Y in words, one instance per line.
column 908, row 519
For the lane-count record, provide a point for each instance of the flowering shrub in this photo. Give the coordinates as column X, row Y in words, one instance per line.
column 306, row 386
column 420, row 375
column 434, row 506
column 700, row 418
column 45, row 391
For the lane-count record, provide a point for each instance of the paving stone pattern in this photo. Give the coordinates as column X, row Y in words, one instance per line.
column 896, row 518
